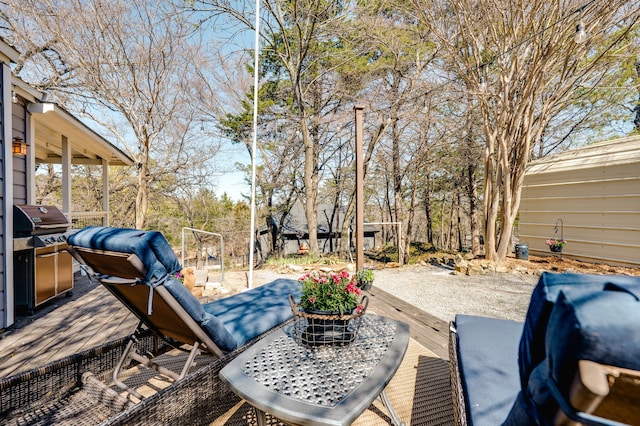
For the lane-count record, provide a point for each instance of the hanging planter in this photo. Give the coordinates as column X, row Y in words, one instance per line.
column 555, row 248
column 556, row 244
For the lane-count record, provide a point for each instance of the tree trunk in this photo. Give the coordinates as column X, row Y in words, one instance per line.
column 427, row 211
column 472, row 193
column 397, row 182
column 142, row 195
column 450, row 234
column 411, row 214
column 311, row 202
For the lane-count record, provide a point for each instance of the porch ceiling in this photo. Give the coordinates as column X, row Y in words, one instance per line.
column 52, row 122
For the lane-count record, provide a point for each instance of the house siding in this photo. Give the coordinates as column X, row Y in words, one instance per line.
column 595, row 191
column 19, row 129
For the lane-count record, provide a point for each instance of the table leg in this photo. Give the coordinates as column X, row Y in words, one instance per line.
column 262, row 419
column 394, row 417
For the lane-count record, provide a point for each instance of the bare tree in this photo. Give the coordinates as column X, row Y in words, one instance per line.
column 131, row 66
column 521, row 59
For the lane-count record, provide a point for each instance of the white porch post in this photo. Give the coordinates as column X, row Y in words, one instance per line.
column 31, row 160
column 6, row 186
column 105, row 189
column 66, row 175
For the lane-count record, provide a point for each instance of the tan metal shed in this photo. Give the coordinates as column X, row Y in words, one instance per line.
column 595, row 191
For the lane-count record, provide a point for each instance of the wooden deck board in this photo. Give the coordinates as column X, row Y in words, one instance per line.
column 428, row 330
column 96, row 317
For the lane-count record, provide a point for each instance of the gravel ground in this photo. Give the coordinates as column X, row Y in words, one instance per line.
column 436, row 290
column 441, row 293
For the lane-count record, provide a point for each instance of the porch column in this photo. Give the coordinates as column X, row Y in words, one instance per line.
column 6, row 200
column 105, row 189
column 66, row 175
column 30, row 139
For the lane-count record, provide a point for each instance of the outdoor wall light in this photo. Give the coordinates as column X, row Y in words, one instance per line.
column 581, row 34
column 14, row 97
column 18, row 147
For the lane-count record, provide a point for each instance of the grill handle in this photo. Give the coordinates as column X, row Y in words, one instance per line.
column 52, row 226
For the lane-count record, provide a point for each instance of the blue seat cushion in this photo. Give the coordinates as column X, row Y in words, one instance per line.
column 487, row 359
column 249, row 314
column 532, row 349
column 150, row 246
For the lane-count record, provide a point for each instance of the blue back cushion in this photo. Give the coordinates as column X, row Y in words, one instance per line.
column 150, row 246
column 247, row 315
column 601, row 326
column 532, row 350
column 487, row 349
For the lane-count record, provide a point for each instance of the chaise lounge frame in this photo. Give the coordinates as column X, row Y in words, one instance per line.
column 170, row 318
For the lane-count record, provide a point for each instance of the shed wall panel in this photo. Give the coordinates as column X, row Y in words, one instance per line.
column 570, row 204
column 621, row 220
column 602, row 186
column 595, row 192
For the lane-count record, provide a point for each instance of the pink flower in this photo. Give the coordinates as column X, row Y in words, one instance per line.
column 312, row 300
column 359, row 309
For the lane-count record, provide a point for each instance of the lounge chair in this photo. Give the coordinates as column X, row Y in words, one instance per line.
column 575, row 360
column 139, row 268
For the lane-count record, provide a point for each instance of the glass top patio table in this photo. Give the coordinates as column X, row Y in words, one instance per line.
column 321, row 385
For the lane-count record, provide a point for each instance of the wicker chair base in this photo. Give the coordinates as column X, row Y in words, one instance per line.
column 457, row 394
column 67, row 392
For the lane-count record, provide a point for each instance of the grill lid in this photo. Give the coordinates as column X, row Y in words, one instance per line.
column 33, row 219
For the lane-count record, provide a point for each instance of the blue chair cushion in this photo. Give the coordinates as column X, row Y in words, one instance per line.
column 487, row 360
column 150, row 246
column 532, row 350
column 249, row 314
column 600, row 326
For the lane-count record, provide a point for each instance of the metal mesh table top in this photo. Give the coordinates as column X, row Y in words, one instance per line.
column 321, row 375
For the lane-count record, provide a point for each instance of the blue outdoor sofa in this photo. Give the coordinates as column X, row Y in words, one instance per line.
column 576, row 358
column 139, row 268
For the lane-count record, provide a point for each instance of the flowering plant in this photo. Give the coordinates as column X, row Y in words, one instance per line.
column 333, row 292
column 179, row 277
column 364, row 276
column 556, row 242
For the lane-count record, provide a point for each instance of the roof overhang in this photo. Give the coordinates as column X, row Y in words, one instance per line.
column 8, row 53
column 53, row 122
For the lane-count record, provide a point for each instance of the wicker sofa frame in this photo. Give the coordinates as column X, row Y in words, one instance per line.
column 601, row 389
column 56, row 392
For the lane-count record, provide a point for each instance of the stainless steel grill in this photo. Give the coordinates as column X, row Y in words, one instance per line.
column 43, row 269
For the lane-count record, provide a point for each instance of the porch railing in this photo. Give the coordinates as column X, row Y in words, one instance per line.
column 81, row 219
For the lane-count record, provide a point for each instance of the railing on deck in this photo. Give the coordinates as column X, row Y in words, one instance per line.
column 81, row 219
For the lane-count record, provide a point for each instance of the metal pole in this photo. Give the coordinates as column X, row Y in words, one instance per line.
column 359, row 190
column 254, row 147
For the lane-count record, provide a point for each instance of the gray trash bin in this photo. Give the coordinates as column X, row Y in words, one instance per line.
column 522, row 251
